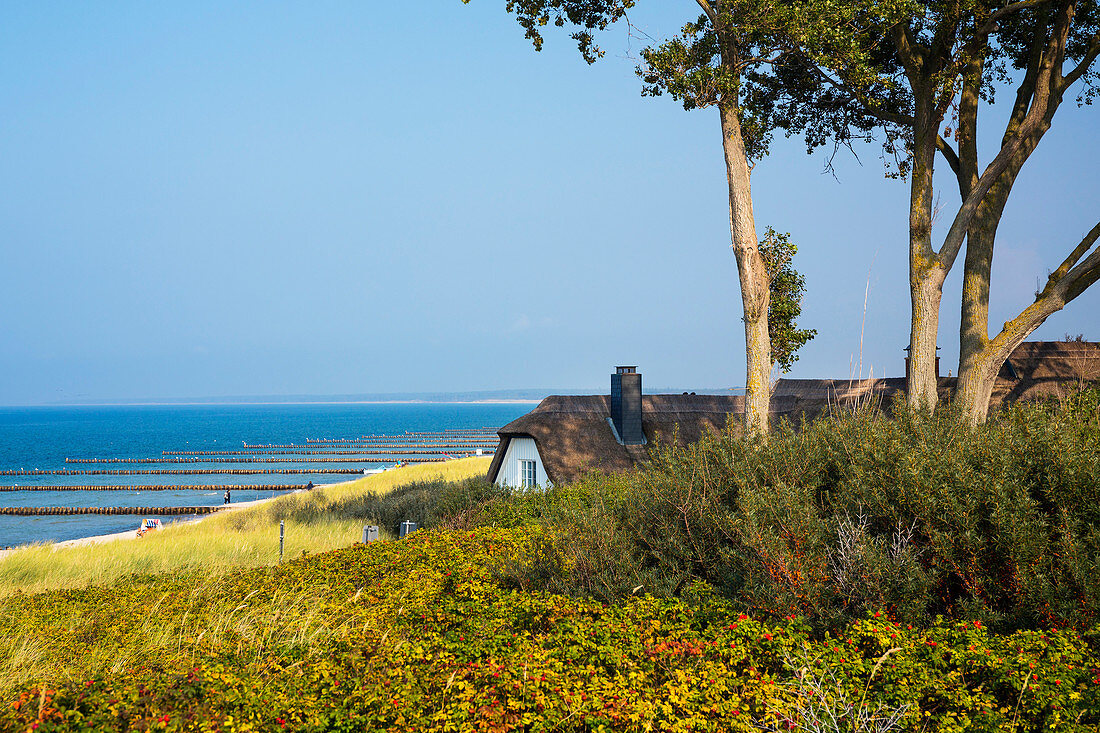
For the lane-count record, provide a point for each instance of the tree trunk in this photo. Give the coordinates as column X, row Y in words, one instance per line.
column 926, row 291
column 1037, row 99
column 974, row 353
column 755, row 294
column 979, row 361
column 926, row 275
column 976, row 387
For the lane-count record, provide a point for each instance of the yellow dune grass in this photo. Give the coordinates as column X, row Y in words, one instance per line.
column 244, row 537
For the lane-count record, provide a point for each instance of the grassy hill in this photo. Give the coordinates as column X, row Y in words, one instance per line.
column 315, row 521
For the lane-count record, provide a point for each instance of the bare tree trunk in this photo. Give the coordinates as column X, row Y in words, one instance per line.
column 926, row 275
column 979, row 360
column 926, row 291
column 755, row 293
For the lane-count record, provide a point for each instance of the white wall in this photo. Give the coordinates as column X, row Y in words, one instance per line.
column 520, row 449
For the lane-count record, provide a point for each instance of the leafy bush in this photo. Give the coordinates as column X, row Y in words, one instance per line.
column 917, row 514
column 429, row 503
column 415, row 635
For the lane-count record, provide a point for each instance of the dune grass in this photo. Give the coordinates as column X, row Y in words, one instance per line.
column 247, row 537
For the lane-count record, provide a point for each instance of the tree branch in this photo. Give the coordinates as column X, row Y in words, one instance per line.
column 1068, row 264
column 1026, row 88
column 967, row 126
column 705, row 5
column 1063, row 286
column 982, row 34
column 1086, row 61
column 948, row 153
column 1008, row 9
column 886, row 116
column 910, row 53
column 1087, row 273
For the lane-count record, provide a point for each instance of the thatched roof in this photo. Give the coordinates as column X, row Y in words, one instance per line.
column 1035, row 370
column 1078, row 360
column 1046, row 370
column 573, row 435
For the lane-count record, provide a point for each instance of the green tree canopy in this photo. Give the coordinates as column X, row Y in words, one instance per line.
column 787, row 288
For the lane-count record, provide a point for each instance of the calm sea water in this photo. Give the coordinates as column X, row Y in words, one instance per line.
column 43, row 437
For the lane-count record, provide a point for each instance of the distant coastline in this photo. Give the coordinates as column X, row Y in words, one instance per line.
column 483, row 397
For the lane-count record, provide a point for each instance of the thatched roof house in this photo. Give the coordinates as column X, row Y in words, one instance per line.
column 565, row 437
column 572, row 435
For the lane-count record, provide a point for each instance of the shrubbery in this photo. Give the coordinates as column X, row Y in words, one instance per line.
column 429, row 503
column 421, row 638
column 919, row 515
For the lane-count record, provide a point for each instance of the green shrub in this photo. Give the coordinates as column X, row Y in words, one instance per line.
column 852, row 513
column 416, row 636
column 428, row 503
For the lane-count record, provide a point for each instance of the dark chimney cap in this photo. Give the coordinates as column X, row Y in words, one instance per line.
column 626, row 369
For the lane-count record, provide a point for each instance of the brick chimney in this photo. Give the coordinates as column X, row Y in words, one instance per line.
column 626, row 404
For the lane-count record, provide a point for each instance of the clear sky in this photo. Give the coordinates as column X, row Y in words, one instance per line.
column 210, row 199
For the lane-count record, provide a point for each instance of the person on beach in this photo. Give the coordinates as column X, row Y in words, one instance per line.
column 227, row 496
column 309, row 486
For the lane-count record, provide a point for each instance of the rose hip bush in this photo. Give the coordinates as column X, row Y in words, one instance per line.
column 417, row 635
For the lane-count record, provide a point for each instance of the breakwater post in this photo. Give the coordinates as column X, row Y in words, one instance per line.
column 44, row 511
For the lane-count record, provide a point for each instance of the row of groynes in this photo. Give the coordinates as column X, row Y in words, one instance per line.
column 269, row 459
column 43, row 511
column 168, row 487
column 419, row 437
column 378, row 444
column 273, row 452
column 180, row 471
column 414, row 433
column 427, row 447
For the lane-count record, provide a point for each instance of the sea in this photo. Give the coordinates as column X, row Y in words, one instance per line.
column 41, row 438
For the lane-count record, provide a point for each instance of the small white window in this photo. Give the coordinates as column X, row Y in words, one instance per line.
column 527, row 476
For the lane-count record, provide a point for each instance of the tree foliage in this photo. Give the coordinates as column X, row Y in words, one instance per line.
column 787, row 287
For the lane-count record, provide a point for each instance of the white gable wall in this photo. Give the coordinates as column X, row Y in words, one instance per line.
column 521, row 449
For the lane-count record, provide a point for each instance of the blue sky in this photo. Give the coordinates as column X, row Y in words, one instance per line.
column 209, row 199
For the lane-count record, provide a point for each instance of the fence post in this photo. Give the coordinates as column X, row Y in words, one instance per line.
column 282, row 530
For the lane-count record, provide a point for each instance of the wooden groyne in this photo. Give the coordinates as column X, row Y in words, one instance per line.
column 182, row 472
column 416, row 437
column 269, row 459
column 165, row 487
column 477, row 442
column 44, row 511
column 371, row 450
column 413, row 434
